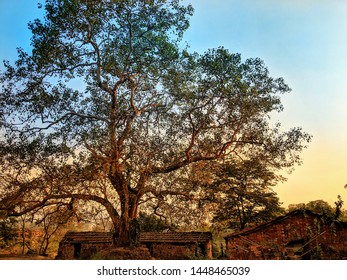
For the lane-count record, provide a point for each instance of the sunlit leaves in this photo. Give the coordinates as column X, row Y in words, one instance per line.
column 109, row 94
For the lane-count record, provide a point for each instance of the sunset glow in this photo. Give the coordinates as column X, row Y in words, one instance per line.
column 302, row 41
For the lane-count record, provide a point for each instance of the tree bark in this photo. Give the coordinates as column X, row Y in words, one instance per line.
column 129, row 200
column 126, row 228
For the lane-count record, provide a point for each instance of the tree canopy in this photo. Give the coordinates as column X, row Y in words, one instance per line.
column 108, row 104
column 244, row 195
column 322, row 208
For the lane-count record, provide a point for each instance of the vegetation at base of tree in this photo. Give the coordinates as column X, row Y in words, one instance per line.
column 25, row 236
column 111, row 108
column 151, row 223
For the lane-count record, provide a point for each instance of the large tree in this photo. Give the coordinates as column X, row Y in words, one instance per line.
column 108, row 103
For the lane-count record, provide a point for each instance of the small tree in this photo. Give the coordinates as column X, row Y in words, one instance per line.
column 25, row 240
column 52, row 219
column 244, row 195
column 8, row 232
column 338, row 207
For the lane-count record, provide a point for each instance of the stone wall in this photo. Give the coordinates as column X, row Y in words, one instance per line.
column 83, row 245
column 296, row 236
column 80, row 250
column 161, row 245
column 162, row 251
column 178, row 245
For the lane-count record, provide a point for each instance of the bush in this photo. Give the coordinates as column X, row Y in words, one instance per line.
column 8, row 232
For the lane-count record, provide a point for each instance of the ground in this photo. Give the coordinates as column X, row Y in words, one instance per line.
column 23, row 257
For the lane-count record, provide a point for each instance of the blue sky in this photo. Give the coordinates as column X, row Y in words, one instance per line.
column 303, row 41
column 14, row 18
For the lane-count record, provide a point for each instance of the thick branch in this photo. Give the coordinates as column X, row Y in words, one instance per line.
column 179, row 164
column 46, row 201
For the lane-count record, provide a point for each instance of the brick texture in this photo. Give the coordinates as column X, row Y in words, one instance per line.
column 297, row 235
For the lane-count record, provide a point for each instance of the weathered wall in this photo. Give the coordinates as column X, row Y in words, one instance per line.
column 173, row 245
column 296, row 237
column 162, row 251
column 68, row 251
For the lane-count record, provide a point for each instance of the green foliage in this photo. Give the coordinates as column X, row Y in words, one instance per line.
column 244, row 195
column 8, row 232
column 108, row 103
column 322, row 208
column 152, row 223
column 319, row 207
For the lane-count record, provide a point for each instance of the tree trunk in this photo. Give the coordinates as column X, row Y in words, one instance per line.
column 23, row 235
column 123, row 238
column 127, row 227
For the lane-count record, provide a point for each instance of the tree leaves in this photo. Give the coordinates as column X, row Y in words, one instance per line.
column 109, row 94
column 243, row 192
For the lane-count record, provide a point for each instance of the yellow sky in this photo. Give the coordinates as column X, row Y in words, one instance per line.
column 305, row 42
column 322, row 175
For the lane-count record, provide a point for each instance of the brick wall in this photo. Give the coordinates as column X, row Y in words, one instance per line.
column 162, row 251
column 70, row 251
column 167, row 245
column 300, row 236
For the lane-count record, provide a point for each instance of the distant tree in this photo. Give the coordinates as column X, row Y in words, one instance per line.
column 108, row 94
column 343, row 216
column 338, row 207
column 52, row 219
column 244, row 195
column 296, row 206
column 152, row 223
column 319, row 207
column 8, row 232
column 25, row 240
